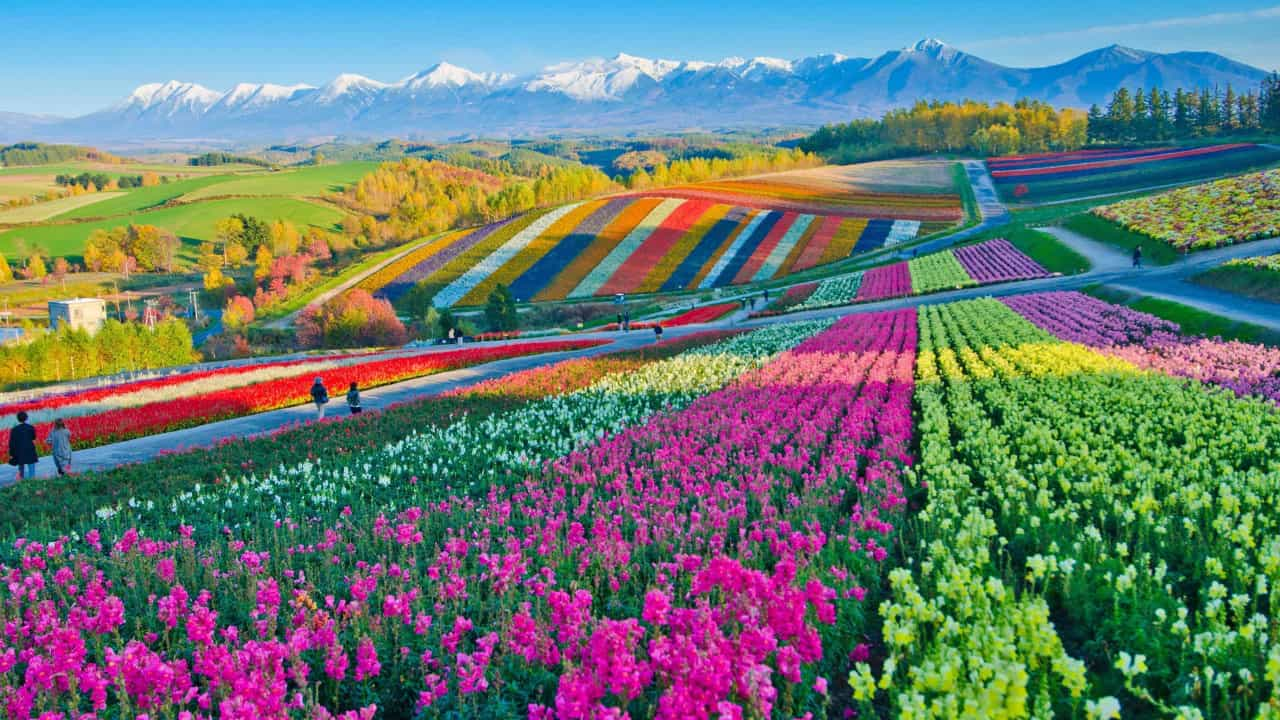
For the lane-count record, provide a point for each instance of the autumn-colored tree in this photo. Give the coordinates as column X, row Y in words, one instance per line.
column 6, row 272
column 228, row 231
column 35, row 269
column 262, row 264
column 238, row 313
column 354, row 319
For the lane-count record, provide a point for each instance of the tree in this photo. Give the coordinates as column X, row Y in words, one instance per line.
column 500, row 310
column 1098, row 128
column 238, row 313
column 36, row 269
column 6, row 272
column 262, row 264
column 353, row 319
column 1269, row 103
column 228, row 231
column 1120, row 115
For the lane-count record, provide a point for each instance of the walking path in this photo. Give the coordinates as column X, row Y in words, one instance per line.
column 990, row 209
column 146, row 448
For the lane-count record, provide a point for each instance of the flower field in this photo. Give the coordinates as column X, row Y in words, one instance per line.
column 1223, row 212
column 106, row 415
column 984, row 263
column 647, row 244
column 987, row 508
column 1082, row 173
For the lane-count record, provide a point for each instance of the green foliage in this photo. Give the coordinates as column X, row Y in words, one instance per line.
column 500, row 310
column 1262, row 283
column 210, row 159
column 68, row 354
column 1193, row 321
column 1048, row 251
column 1156, row 116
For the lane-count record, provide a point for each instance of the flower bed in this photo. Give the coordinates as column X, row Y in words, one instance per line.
column 937, row 271
column 884, row 282
column 996, row 261
column 1223, row 212
column 198, row 409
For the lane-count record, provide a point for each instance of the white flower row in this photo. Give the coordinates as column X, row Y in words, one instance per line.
column 834, row 291
column 902, row 231
column 783, row 248
column 727, row 256
column 601, row 273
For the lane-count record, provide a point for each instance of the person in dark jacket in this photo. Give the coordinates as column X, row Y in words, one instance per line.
column 1137, row 256
column 320, row 396
column 22, row 448
column 657, row 332
column 353, row 400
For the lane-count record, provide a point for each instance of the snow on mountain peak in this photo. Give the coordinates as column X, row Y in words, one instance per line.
column 175, row 92
column 929, row 45
column 444, row 74
column 600, row 79
column 348, row 83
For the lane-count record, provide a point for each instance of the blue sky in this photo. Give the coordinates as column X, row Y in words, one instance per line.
column 73, row 57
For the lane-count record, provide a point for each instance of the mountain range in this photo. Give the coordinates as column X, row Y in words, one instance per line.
column 622, row 93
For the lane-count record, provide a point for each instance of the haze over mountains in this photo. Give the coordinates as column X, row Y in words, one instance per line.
column 620, row 93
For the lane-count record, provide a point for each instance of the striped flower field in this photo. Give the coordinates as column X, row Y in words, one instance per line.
column 696, row 237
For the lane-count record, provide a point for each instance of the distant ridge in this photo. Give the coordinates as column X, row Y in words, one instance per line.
column 624, row 92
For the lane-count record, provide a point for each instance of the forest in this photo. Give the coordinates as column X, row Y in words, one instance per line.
column 1156, row 115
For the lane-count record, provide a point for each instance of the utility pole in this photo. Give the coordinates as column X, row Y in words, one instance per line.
column 194, row 297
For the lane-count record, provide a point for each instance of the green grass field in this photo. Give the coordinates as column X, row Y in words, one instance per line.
column 307, row 182
column 144, row 198
column 193, row 223
column 46, row 210
column 1048, row 251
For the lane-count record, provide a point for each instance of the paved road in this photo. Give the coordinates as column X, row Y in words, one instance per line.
column 990, row 209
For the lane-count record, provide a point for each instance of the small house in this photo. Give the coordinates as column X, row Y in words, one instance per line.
column 80, row 314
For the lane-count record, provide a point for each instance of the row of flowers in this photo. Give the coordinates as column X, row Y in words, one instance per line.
column 199, row 408
column 1223, row 212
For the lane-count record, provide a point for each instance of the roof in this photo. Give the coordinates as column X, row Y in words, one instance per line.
column 79, row 301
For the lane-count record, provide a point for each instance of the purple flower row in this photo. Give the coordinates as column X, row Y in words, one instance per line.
column 1153, row 343
column 887, row 281
column 998, row 261
column 424, row 269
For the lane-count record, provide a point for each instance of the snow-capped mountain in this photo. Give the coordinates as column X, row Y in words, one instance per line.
column 624, row 92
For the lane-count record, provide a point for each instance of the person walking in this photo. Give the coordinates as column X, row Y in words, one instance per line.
column 353, row 399
column 626, row 321
column 1137, row 256
column 60, row 440
column 657, row 333
column 619, row 321
column 320, row 396
column 22, row 448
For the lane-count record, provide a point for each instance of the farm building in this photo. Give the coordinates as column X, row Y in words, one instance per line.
column 80, row 313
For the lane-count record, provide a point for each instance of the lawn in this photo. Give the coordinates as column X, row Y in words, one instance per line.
column 1091, row 226
column 45, row 210
column 308, row 181
column 193, row 223
column 1193, row 321
column 1261, row 283
column 1048, row 251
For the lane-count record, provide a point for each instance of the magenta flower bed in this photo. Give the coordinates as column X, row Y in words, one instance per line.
column 998, row 261
column 710, row 563
column 1153, row 343
column 884, row 282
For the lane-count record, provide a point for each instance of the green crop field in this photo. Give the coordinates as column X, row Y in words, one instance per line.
column 192, row 222
column 309, row 182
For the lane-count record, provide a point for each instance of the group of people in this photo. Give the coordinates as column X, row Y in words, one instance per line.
column 320, row 396
column 23, row 454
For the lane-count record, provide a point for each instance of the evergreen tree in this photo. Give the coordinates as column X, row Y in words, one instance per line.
column 1269, row 103
column 500, row 310
column 1098, row 129
column 1183, row 114
column 1120, row 115
column 1229, row 120
column 1141, row 116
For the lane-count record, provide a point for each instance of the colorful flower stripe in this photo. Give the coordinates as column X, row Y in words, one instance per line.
column 1153, row 343
column 789, row 262
column 833, row 291
column 1072, row 168
column 815, row 250
column 452, row 262
column 157, row 417
column 539, row 246
column 782, row 250
column 761, row 252
column 704, row 314
column 998, row 261
column 884, row 282
column 843, row 242
column 1232, row 210
column 874, row 236
column 665, row 270
column 601, row 273
column 474, row 276
column 1260, row 262
column 704, row 258
column 937, row 271
column 394, row 279
column 738, row 240
column 750, row 242
column 902, row 231
column 561, row 268
column 636, row 266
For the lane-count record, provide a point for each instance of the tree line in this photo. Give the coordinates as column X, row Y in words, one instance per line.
column 969, row 126
column 34, row 153
column 67, row 354
column 211, row 159
column 102, row 181
column 1156, row 115
column 703, row 169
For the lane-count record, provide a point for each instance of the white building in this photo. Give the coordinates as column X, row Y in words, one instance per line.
column 80, row 313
